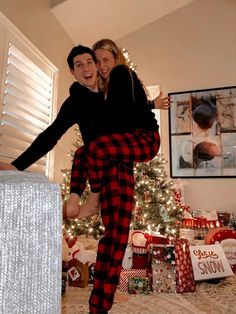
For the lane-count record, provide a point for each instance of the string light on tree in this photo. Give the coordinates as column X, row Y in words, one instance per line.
column 128, row 59
column 157, row 209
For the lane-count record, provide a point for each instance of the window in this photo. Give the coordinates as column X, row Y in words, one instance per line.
column 27, row 97
column 153, row 92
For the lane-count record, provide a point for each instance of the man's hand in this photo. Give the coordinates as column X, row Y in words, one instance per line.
column 4, row 166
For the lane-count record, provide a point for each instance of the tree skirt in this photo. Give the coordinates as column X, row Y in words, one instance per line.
column 209, row 298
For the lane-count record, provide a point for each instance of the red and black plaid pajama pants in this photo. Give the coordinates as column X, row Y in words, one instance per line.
column 79, row 172
column 110, row 168
column 125, row 148
column 117, row 200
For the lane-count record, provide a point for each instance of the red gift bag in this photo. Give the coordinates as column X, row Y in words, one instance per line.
column 184, row 271
column 140, row 250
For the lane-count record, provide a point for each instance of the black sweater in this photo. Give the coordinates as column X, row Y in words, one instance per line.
column 125, row 109
column 126, row 105
column 79, row 108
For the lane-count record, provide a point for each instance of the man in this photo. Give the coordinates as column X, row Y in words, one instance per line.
column 80, row 107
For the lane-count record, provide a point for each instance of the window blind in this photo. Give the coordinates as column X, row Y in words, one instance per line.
column 27, row 104
column 153, row 92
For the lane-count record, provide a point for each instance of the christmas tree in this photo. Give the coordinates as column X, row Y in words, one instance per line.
column 156, row 208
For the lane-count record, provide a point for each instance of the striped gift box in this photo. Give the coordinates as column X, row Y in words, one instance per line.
column 127, row 273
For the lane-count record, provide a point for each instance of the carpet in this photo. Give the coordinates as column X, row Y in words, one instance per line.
column 209, row 298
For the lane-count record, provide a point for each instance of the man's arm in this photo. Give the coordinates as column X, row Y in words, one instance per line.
column 46, row 140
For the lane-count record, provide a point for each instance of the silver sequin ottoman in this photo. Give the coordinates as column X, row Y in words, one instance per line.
column 30, row 244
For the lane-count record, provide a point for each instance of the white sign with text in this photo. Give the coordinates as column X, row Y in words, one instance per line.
column 209, row 261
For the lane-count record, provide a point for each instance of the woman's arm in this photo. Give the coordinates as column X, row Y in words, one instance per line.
column 162, row 102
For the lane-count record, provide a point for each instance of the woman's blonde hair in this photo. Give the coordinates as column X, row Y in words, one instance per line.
column 109, row 45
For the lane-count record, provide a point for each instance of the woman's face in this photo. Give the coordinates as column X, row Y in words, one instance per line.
column 105, row 62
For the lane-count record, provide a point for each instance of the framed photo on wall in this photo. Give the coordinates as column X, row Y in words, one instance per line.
column 202, row 130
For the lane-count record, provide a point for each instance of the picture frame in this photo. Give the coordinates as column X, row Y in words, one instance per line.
column 202, row 133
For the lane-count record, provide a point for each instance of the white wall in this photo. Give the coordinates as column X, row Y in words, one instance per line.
column 192, row 48
column 34, row 19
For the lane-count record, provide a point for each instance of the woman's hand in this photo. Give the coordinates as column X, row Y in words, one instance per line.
column 4, row 166
column 162, row 102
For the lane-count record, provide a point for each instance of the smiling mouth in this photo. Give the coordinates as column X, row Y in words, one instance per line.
column 88, row 77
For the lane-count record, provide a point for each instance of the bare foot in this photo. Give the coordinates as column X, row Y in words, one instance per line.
column 91, row 207
column 5, row 166
column 72, row 208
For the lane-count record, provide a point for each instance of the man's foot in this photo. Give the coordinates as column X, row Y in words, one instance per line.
column 91, row 207
column 71, row 208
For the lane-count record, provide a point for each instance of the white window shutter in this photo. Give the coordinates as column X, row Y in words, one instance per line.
column 27, row 99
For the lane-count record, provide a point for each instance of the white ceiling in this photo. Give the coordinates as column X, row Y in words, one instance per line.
column 87, row 21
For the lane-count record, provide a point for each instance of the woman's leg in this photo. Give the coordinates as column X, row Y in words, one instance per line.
column 126, row 182
column 109, row 150
column 117, row 201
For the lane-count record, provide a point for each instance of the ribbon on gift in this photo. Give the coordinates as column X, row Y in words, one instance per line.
column 154, row 239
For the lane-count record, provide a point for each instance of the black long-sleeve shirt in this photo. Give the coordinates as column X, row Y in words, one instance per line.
column 124, row 110
column 79, row 108
column 127, row 103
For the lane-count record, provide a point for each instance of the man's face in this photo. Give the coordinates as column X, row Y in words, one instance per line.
column 85, row 71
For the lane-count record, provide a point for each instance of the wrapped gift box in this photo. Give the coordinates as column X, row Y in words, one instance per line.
column 78, row 273
column 127, row 273
column 139, row 285
column 163, row 268
column 30, row 244
column 172, row 268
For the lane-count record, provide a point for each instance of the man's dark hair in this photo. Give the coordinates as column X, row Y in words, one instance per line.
column 79, row 50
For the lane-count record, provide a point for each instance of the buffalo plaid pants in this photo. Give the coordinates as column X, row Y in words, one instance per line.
column 110, row 169
column 117, row 202
column 109, row 163
column 109, row 150
column 79, row 172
